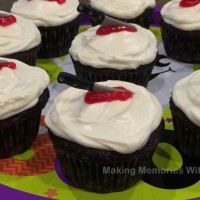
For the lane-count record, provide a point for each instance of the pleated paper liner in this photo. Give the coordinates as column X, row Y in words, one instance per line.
column 19, row 131
column 143, row 20
column 187, row 133
column 92, row 169
column 139, row 76
column 28, row 56
column 179, row 44
column 56, row 40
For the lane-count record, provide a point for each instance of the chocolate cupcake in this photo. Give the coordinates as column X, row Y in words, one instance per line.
column 185, row 110
column 137, row 12
column 180, row 28
column 115, row 52
column 24, row 94
column 19, row 38
column 108, row 136
column 58, row 22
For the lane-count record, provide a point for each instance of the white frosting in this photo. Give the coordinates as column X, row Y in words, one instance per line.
column 46, row 13
column 19, row 36
column 121, row 126
column 186, row 96
column 184, row 18
column 122, row 50
column 20, row 88
column 125, row 9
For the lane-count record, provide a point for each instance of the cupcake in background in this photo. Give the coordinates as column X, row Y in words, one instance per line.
column 115, row 52
column 57, row 20
column 185, row 108
column 180, row 28
column 24, row 93
column 106, row 131
column 131, row 11
column 19, row 38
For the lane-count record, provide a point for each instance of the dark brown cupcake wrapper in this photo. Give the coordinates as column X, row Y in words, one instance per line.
column 187, row 133
column 56, row 40
column 181, row 45
column 103, row 171
column 29, row 56
column 139, row 76
column 19, row 131
column 143, row 20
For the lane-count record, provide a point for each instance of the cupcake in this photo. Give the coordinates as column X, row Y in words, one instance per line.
column 115, row 52
column 23, row 95
column 131, row 11
column 180, row 28
column 103, row 138
column 185, row 110
column 57, row 20
column 19, row 38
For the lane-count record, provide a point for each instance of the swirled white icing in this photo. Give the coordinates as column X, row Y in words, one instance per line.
column 122, row 50
column 125, row 9
column 121, row 126
column 46, row 13
column 19, row 36
column 184, row 18
column 186, row 96
column 20, row 88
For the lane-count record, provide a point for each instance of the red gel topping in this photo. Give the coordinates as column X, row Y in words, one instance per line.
column 10, row 65
column 59, row 1
column 7, row 20
column 92, row 97
column 189, row 3
column 105, row 30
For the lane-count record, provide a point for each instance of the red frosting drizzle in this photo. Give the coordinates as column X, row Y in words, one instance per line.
column 58, row 1
column 189, row 3
column 10, row 65
column 105, row 30
column 7, row 20
column 92, row 97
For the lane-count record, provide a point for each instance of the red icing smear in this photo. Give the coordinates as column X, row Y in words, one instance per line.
column 7, row 20
column 10, row 65
column 92, row 97
column 105, row 30
column 58, row 1
column 189, row 3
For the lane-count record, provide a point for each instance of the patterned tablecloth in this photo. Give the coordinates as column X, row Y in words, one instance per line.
column 36, row 174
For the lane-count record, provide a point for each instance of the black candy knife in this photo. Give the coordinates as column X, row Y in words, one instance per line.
column 96, row 14
column 80, row 83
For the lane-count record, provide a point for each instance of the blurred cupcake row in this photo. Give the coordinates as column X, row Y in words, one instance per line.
column 58, row 22
column 115, row 126
column 48, row 25
column 55, row 20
